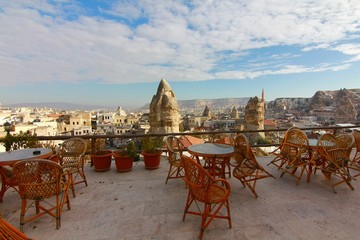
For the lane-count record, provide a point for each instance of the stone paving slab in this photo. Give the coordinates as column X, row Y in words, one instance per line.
column 139, row 205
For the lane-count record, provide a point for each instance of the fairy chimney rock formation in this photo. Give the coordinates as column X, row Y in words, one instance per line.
column 254, row 118
column 345, row 109
column 164, row 114
column 234, row 113
column 206, row 112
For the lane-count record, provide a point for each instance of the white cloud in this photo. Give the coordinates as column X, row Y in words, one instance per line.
column 39, row 42
column 350, row 49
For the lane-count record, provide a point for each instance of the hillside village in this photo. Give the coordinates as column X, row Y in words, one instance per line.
column 325, row 108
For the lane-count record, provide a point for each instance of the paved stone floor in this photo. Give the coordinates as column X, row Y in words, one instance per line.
column 139, row 205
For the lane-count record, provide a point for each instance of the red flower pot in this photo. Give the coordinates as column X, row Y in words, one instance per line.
column 123, row 163
column 152, row 160
column 102, row 161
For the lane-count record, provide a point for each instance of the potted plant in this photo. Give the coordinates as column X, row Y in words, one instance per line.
column 125, row 156
column 151, row 150
column 100, row 157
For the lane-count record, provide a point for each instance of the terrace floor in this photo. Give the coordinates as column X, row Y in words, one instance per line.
column 139, row 205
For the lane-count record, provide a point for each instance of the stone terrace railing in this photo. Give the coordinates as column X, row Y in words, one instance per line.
column 204, row 135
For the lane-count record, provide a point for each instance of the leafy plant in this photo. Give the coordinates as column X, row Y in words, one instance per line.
column 262, row 141
column 128, row 149
column 21, row 140
column 99, row 147
column 151, row 144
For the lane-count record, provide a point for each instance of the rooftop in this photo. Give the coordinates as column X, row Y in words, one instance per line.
column 139, row 205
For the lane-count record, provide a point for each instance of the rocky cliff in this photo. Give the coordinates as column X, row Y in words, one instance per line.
column 341, row 105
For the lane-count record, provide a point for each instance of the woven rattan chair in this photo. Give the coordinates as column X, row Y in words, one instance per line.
column 346, row 142
column 8, row 180
column 204, row 189
column 356, row 157
column 249, row 170
column 72, row 158
column 9, row 232
column 335, row 163
column 175, row 150
column 41, row 182
column 296, row 155
column 281, row 152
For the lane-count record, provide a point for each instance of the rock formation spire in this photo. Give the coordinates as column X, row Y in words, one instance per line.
column 254, row 118
column 164, row 114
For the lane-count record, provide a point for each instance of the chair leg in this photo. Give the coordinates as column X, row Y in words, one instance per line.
column 204, row 216
column 187, row 206
column 169, row 173
column 58, row 212
column 22, row 214
column 71, row 179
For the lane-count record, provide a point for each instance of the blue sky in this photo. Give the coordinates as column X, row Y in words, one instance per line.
column 114, row 53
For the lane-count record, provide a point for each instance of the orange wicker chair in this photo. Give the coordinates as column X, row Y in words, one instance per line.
column 8, row 180
column 295, row 154
column 40, row 181
column 249, row 170
column 281, row 152
column 175, row 150
column 346, row 142
column 9, row 232
column 356, row 157
column 336, row 161
column 72, row 158
column 204, row 189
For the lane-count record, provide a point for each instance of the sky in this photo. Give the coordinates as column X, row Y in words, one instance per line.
column 114, row 53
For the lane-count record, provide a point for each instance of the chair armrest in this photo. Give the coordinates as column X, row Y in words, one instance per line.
column 222, row 182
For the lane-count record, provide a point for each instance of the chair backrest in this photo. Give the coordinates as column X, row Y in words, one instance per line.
column 197, row 178
column 329, row 149
column 223, row 138
column 38, row 178
column 241, row 147
column 175, row 148
column 8, row 231
column 295, row 146
column 356, row 134
column 289, row 130
column 346, row 142
column 71, row 150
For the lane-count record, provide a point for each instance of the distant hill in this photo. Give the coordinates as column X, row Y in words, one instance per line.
column 202, row 103
column 58, row 105
column 339, row 105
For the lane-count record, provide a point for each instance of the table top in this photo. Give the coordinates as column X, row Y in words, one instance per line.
column 10, row 157
column 313, row 142
column 211, row 150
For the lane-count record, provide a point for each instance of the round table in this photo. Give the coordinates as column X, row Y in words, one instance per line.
column 11, row 157
column 216, row 156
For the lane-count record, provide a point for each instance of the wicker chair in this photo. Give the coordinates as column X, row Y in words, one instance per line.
column 8, row 180
column 72, row 158
column 346, row 142
column 204, row 189
column 356, row 157
column 295, row 154
column 175, row 150
column 282, row 151
column 249, row 170
column 336, row 161
column 9, row 232
column 40, row 181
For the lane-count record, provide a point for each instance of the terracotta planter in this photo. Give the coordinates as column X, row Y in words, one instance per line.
column 123, row 163
column 102, row 161
column 152, row 160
